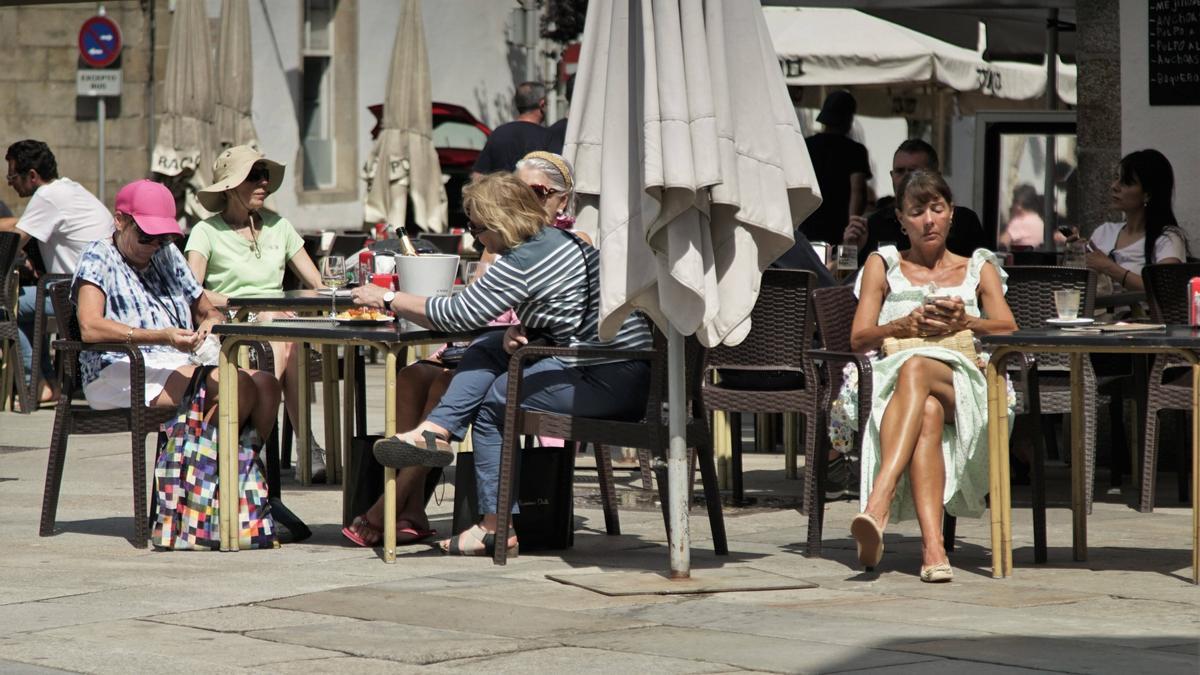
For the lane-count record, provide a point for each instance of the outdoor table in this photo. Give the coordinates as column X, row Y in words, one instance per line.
column 391, row 338
column 1182, row 341
column 311, row 302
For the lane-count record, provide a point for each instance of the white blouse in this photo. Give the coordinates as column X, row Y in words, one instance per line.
column 1170, row 244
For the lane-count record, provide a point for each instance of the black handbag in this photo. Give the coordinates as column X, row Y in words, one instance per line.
column 545, row 491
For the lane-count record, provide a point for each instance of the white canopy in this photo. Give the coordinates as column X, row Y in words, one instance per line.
column 846, row 48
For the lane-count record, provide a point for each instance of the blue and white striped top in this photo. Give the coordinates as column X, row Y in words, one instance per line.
column 544, row 280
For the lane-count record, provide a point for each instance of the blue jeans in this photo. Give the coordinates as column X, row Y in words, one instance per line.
column 26, row 312
column 477, row 394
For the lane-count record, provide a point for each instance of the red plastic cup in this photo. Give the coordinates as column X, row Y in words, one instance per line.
column 387, row 281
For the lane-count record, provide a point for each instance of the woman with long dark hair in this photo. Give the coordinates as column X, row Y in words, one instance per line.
column 1143, row 189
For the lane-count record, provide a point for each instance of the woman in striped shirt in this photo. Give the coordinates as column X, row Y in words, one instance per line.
column 551, row 280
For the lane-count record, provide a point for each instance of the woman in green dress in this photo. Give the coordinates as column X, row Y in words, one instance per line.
column 925, row 444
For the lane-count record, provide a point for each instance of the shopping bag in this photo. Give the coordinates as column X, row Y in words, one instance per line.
column 186, row 484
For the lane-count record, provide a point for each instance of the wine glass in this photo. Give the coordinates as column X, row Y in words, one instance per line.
column 472, row 270
column 333, row 275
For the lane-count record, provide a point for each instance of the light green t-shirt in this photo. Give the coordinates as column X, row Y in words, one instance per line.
column 234, row 269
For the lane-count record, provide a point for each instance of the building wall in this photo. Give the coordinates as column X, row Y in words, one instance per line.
column 469, row 62
column 1169, row 129
column 37, row 75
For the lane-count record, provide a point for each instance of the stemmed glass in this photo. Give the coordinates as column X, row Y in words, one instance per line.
column 333, row 275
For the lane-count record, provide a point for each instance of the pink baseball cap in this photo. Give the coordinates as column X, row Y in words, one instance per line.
column 151, row 205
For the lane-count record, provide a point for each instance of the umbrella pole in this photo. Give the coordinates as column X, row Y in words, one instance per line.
column 677, row 463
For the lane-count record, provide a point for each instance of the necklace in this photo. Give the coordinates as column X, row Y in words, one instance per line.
column 254, row 238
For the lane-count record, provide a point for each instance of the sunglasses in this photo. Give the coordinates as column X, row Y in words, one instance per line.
column 258, row 174
column 542, row 191
column 475, row 229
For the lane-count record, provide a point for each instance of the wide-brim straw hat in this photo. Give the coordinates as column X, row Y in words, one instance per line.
column 230, row 170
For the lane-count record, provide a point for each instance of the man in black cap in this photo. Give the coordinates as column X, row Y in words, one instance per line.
column 842, row 170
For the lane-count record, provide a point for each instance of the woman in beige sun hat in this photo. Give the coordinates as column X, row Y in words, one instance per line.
column 243, row 249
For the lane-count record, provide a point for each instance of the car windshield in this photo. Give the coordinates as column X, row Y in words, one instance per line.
column 451, row 134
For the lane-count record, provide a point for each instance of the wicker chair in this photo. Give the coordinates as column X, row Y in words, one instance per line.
column 1165, row 294
column 650, row 432
column 13, row 369
column 1031, row 298
column 71, row 418
column 777, row 345
column 41, row 331
column 835, row 308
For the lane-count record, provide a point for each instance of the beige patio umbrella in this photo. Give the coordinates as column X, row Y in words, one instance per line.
column 235, row 77
column 690, row 158
column 403, row 163
column 183, row 146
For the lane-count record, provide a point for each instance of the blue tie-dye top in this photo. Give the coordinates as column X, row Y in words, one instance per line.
column 158, row 297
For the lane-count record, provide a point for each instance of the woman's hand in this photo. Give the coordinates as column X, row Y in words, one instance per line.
column 910, row 326
column 205, row 328
column 1102, row 263
column 369, row 295
column 514, row 339
column 944, row 316
column 183, row 340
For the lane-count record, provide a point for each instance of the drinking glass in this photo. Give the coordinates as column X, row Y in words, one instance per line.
column 1066, row 303
column 1075, row 254
column 847, row 257
column 333, row 275
column 472, row 270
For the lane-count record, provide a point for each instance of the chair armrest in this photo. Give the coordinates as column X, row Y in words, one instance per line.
column 539, row 351
column 137, row 364
column 859, row 359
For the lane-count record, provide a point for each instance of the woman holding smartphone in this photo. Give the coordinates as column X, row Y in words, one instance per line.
column 1143, row 190
column 925, row 445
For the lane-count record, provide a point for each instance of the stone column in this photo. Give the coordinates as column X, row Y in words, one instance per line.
column 1099, row 107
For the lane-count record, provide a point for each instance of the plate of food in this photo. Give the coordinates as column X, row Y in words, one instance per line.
column 363, row 316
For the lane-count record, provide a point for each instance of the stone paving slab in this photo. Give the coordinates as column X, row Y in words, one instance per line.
column 550, row 596
column 343, row 665
column 947, row 667
column 740, row 649
column 565, row 660
column 420, row 609
column 1065, row 655
column 18, row 668
column 700, row 582
column 244, row 618
column 117, row 646
column 416, row 645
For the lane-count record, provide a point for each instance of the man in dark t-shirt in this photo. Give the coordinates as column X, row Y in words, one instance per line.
column 842, row 170
column 558, row 130
column 966, row 232
column 509, row 142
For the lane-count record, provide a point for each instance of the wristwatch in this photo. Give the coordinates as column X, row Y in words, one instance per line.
column 388, row 298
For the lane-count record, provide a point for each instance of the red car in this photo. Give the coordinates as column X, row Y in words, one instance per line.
column 458, row 138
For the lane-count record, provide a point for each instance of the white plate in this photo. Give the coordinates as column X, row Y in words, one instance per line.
column 1079, row 321
column 365, row 322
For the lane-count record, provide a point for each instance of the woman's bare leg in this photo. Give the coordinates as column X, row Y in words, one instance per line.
column 928, row 475
column 902, row 424
column 258, row 395
column 175, row 386
column 287, row 365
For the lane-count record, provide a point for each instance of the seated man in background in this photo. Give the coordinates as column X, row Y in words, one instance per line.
column 64, row 218
column 966, row 233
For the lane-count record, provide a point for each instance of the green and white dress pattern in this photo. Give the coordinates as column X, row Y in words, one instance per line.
column 964, row 442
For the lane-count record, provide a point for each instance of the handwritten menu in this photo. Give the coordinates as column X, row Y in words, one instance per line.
column 1174, row 71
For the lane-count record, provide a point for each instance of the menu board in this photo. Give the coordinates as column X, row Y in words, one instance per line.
column 1174, row 73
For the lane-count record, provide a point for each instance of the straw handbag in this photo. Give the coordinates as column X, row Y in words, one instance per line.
column 962, row 342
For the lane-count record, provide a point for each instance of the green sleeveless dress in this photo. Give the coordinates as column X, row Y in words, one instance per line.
column 964, row 439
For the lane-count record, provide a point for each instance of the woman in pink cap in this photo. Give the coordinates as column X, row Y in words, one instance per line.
column 136, row 288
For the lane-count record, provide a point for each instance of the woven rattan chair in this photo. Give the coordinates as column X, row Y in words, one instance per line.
column 42, row 329
column 769, row 371
column 13, row 368
column 1031, row 298
column 834, row 308
column 1165, row 293
column 649, row 432
column 71, row 418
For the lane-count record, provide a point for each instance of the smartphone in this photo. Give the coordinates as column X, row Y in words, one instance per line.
column 932, row 301
column 1066, row 230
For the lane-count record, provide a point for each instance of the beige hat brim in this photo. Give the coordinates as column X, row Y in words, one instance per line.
column 213, row 196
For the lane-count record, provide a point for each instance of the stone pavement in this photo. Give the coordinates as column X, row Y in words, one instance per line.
column 86, row 600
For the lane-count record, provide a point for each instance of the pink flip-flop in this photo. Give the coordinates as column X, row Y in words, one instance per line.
column 411, row 533
column 356, row 538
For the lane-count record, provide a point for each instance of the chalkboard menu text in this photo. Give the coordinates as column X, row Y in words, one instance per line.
column 1174, row 72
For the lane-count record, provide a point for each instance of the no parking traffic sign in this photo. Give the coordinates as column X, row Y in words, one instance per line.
column 99, row 41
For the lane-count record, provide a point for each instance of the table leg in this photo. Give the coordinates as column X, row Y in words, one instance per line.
column 994, row 490
column 791, row 443
column 304, row 412
column 350, row 386
column 1196, row 473
column 722, row 448
column 1078, row 475
column 227, row 444
column 389, row 473
column 330, row 395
